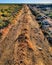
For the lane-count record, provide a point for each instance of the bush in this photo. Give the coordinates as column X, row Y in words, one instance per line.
column 4, row 15
column 4, row 23
column 2, row 10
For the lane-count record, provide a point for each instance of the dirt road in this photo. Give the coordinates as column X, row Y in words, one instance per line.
column 25, row 43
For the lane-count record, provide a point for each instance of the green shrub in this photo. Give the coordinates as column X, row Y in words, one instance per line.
column 4, row 15
column 2, row 10
column 4, row 23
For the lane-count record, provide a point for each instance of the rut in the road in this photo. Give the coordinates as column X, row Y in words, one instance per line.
column 25, row 43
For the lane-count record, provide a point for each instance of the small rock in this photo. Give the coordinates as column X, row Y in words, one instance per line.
column 40, row 49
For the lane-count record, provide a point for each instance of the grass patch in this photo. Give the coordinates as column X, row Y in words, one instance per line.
column 7, row 13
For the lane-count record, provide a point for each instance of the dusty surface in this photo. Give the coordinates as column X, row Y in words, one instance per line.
column 25, row 44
